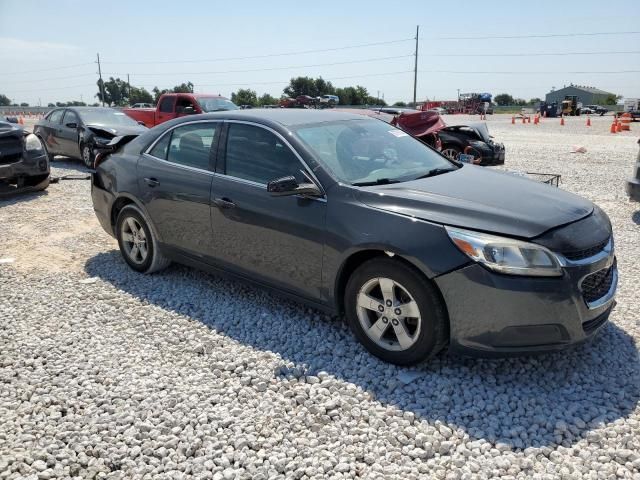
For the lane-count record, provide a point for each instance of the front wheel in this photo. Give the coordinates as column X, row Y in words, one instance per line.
column 395, row 312
column 87, row 154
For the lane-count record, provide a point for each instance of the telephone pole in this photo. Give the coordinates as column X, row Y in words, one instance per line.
column 101, row 82
column 415, row 68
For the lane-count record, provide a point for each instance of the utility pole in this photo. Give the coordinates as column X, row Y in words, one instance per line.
column 101, row 82
column 129, row 87
column 458, row 95
column 415, row 68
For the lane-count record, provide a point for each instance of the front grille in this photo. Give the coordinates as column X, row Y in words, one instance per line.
column 10, row 150
column 596, row 285
column 585, row 253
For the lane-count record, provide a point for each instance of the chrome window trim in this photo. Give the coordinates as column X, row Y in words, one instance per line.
column 167, row 132
column 300, row 159
column 607, row 251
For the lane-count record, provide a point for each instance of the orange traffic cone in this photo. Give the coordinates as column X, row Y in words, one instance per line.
column 561, row 121
column 588, row 121
column 613, row 128
column 524, row 120
column 528, row 119
column 536, row 120
column 513, row 120
column 618, row 126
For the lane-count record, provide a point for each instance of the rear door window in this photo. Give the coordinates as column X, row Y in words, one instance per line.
column 166, row 105
column 191, row 145
column 56, row 116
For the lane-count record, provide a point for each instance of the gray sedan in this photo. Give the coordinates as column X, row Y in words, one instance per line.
column 356, row 217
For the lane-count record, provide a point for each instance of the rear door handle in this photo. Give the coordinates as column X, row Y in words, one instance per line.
column 152, row 182
column 223, row 203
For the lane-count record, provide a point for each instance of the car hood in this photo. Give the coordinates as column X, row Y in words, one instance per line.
column 110, row 131
column 479, row 199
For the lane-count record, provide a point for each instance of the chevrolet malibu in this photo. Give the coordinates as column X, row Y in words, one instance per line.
column 356, row 217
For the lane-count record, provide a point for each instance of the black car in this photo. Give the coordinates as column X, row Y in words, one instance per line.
column 79, row 131
column 633, row 184
column 355, row 216
column 24, row 165
column 472, row 139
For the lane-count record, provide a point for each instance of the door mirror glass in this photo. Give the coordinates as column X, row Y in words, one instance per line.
column 189, row 110
column 289, row 186
column 71, row 125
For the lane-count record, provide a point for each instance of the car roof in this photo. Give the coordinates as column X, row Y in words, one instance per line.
column 287, row 117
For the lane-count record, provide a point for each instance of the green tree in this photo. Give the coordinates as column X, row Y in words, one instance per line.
column 24, row 104
column 267, row 99
column 245, row 96
column 183, row 88
column 139, row 95
column 4, row 101
column 51, row 105
column 113, row 92
column 503, row 99
column 400, row 104
column 534, row 101
column 612, row 99
column 157, row 93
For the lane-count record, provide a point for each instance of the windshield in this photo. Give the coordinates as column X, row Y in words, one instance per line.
column 215, row 104
column 370, row 151
column 106, row 117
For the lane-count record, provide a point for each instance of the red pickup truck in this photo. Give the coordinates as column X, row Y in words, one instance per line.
column 174, row 105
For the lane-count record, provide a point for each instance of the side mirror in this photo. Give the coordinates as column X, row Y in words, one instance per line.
column 287, row 186
column 71, row 125
column 189, row 110
column 140, row 122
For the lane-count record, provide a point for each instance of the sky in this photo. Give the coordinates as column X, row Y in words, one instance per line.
column 164, row 43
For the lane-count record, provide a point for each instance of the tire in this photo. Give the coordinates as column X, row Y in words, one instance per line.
column 425, row 321
column 86, row 154
column 450, row 151
column 132, row 230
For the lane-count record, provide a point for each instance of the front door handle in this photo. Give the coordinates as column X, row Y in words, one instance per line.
column 152, row 182
column 223, row 203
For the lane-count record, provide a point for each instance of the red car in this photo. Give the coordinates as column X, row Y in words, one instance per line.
column 174, row 105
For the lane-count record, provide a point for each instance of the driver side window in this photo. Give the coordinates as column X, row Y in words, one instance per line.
column 256, row 154
column 70, row 117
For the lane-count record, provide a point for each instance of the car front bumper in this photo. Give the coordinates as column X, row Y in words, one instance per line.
column 492, row 314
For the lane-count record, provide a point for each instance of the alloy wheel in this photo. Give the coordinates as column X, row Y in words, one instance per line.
column 388, row 314
column 134, row 240
column 451, row 153
column 86, row 156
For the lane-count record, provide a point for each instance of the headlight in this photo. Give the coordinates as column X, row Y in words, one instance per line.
column 101, row 141
column 506, row 255
column 33, row 143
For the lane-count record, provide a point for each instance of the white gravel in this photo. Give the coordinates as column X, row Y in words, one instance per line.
column 105, row 373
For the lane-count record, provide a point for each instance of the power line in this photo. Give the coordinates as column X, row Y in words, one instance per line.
column 532, row 72
column 269, row 69
column 54, row 88
column 539, row 54
column 269, row 55
column 62, row 67
column 54, row 78
column 536, row 35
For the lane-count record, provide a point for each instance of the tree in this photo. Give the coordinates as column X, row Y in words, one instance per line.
column 534, row 101
column 51, row 105
column 612, row 99
column 157, row 93
column 113, row 91
column 399, row 104
column 267, row 99
column 504, row 99
column 4, row 101
column 309, row 86
column 24, row 104
column 519, row 101
column 183, row 88
column 139, row 95
column 245, row 96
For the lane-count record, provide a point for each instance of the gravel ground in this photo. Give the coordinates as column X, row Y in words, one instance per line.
column 105, row 373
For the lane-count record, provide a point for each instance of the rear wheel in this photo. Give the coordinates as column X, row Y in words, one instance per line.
column 87, row 154
column 450, row 152
column 395, row 312
column 138, row 245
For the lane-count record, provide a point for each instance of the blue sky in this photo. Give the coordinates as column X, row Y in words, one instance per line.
column 38, row 35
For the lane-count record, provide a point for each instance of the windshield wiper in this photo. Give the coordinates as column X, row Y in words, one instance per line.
column 435, row 171
column 378, row 181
